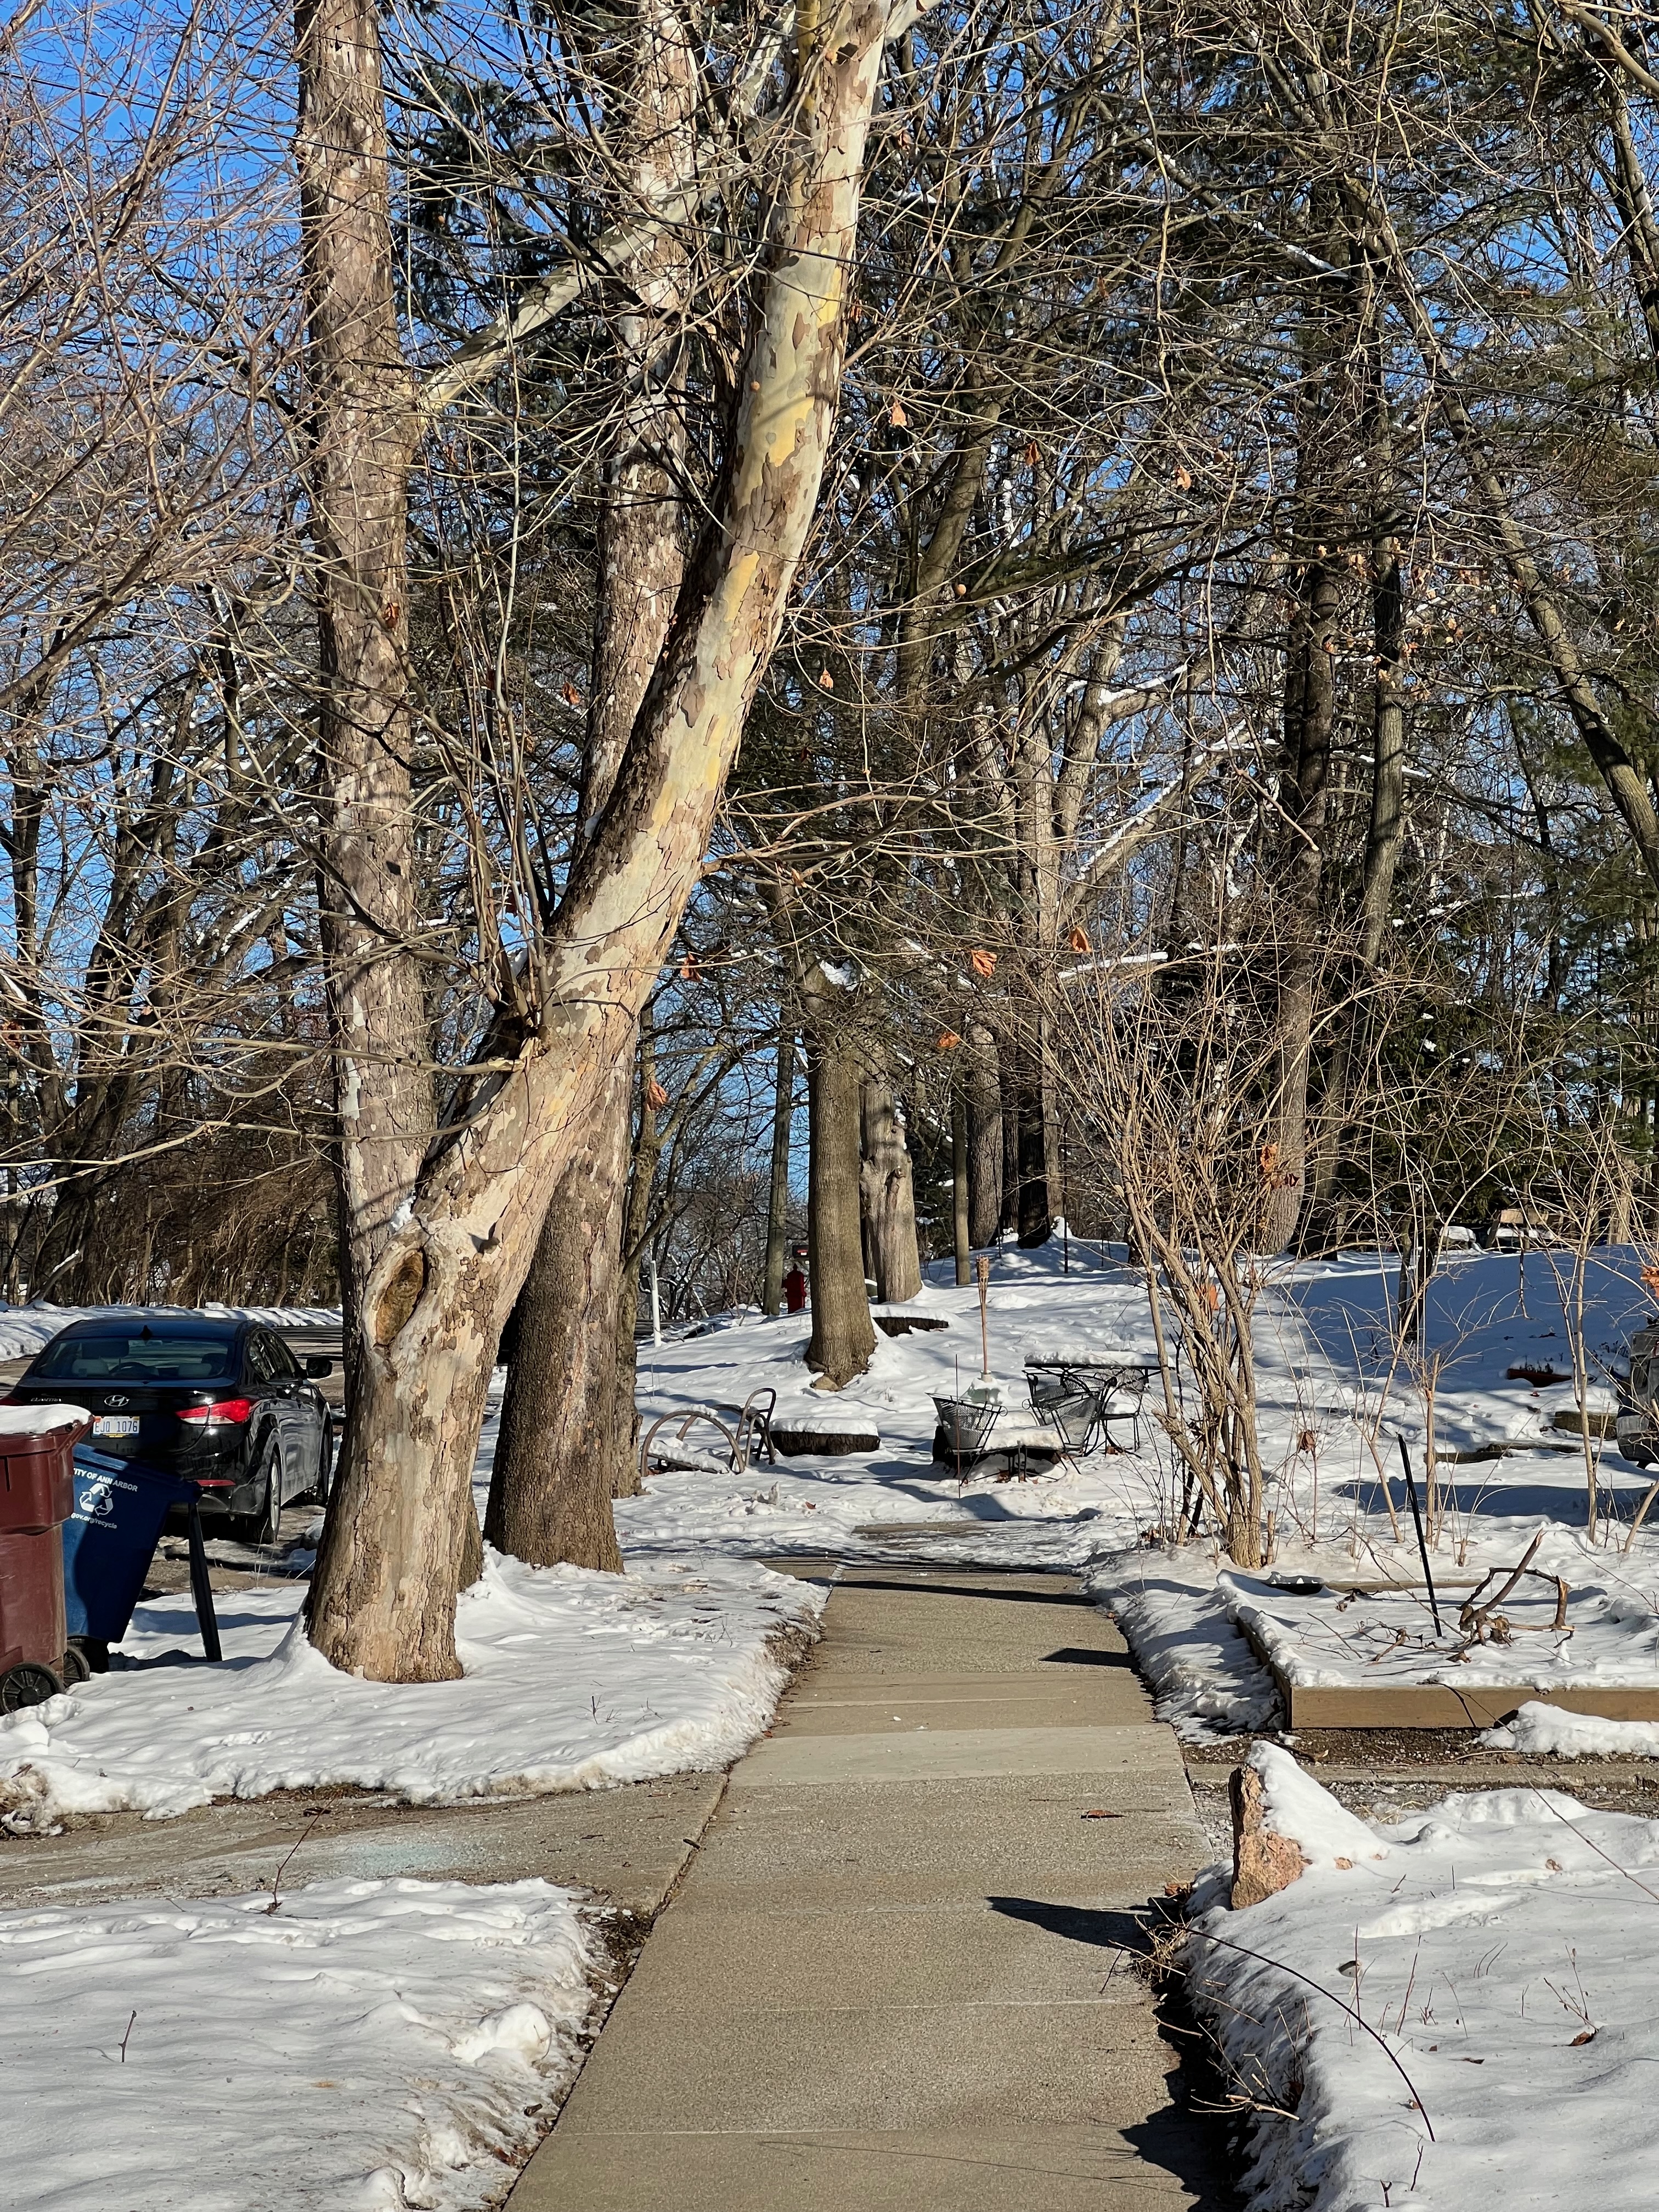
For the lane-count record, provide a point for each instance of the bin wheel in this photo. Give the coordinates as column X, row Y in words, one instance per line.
column 76, row 1667
column 94, row 1652
column 31, row 1684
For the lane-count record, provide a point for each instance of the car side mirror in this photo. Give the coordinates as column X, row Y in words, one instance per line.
column 317, row 1367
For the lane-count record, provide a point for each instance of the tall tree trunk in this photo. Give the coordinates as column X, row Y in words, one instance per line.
column 1008, row 1108
column 562, row 1418
column 1033, row 1202
column 960, row 1239
column 1387, row 822
column 777, row 1203
column 436, row 1298
column 984, row 1137
column 887, row 1194
column 637, row 1225
column 362, row 408
column 1381, row 856
column 550, row 1490
column 843, row 1336
column 1310, row 719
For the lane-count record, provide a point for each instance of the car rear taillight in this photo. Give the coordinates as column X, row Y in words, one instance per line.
column 231, row 1410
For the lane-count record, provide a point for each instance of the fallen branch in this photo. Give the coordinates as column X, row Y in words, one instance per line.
column 1474, row 1617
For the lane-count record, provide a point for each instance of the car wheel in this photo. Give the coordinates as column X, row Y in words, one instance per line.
column 264, row 1524
column 318, row 1493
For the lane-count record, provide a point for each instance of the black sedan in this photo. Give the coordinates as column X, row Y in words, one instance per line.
column 225, row 1404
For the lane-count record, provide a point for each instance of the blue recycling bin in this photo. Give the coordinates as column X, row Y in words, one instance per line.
column 121, row 1506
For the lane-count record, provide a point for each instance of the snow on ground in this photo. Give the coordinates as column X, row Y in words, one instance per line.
column 1333, row 1383
column 814, row 1502
column 25, row 1329
column 364, row 2044
column 573, row 1680
column 1382, row 1638
column 1541, row 1731
column 1204, row 1678
column 1465, row 2021
column 1336, row 1391
column 1485, row 1314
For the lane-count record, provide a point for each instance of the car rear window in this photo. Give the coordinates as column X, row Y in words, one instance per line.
column 123, row 1358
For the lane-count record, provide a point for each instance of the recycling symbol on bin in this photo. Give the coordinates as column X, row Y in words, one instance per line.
column 98, row 1500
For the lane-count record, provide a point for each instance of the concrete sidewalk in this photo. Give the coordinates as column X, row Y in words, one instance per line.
column 890, row 1977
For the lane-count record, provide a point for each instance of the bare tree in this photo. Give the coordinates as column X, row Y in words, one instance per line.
column 439, row 1275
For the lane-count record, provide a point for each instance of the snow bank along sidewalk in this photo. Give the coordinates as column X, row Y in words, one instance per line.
column 360, row 2044
column 1452, row 2012
column 573, row 1680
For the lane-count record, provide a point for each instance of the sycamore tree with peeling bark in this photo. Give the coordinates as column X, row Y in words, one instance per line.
column 444, row 1198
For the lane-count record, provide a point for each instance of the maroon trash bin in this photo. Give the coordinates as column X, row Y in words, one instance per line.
column 37, row 1496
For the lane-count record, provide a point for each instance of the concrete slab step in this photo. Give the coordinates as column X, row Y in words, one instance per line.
column 896, row 1974
column 1046, row 2169
column 802, row 1756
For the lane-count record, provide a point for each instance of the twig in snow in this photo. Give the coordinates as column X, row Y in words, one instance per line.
column 1544, row 1801
column 128, row 2031
column 1208, row 1935
column 313, row 1813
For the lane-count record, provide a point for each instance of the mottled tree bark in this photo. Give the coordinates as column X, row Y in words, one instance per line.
column 550, row 1490
column 563, row 1429
column 362, row 409
column 435, row 1299
column 887, row 1194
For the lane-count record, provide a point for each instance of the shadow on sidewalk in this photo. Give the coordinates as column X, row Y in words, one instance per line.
column 1188, row 2138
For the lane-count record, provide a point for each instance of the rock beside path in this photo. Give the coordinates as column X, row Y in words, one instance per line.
column 1264, row 1862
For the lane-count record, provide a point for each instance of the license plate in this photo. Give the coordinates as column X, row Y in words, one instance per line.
column 116, row 1425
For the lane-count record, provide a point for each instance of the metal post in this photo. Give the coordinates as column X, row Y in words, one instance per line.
column 201, row 1586
column 656, row 1301
column 1422, row 1549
